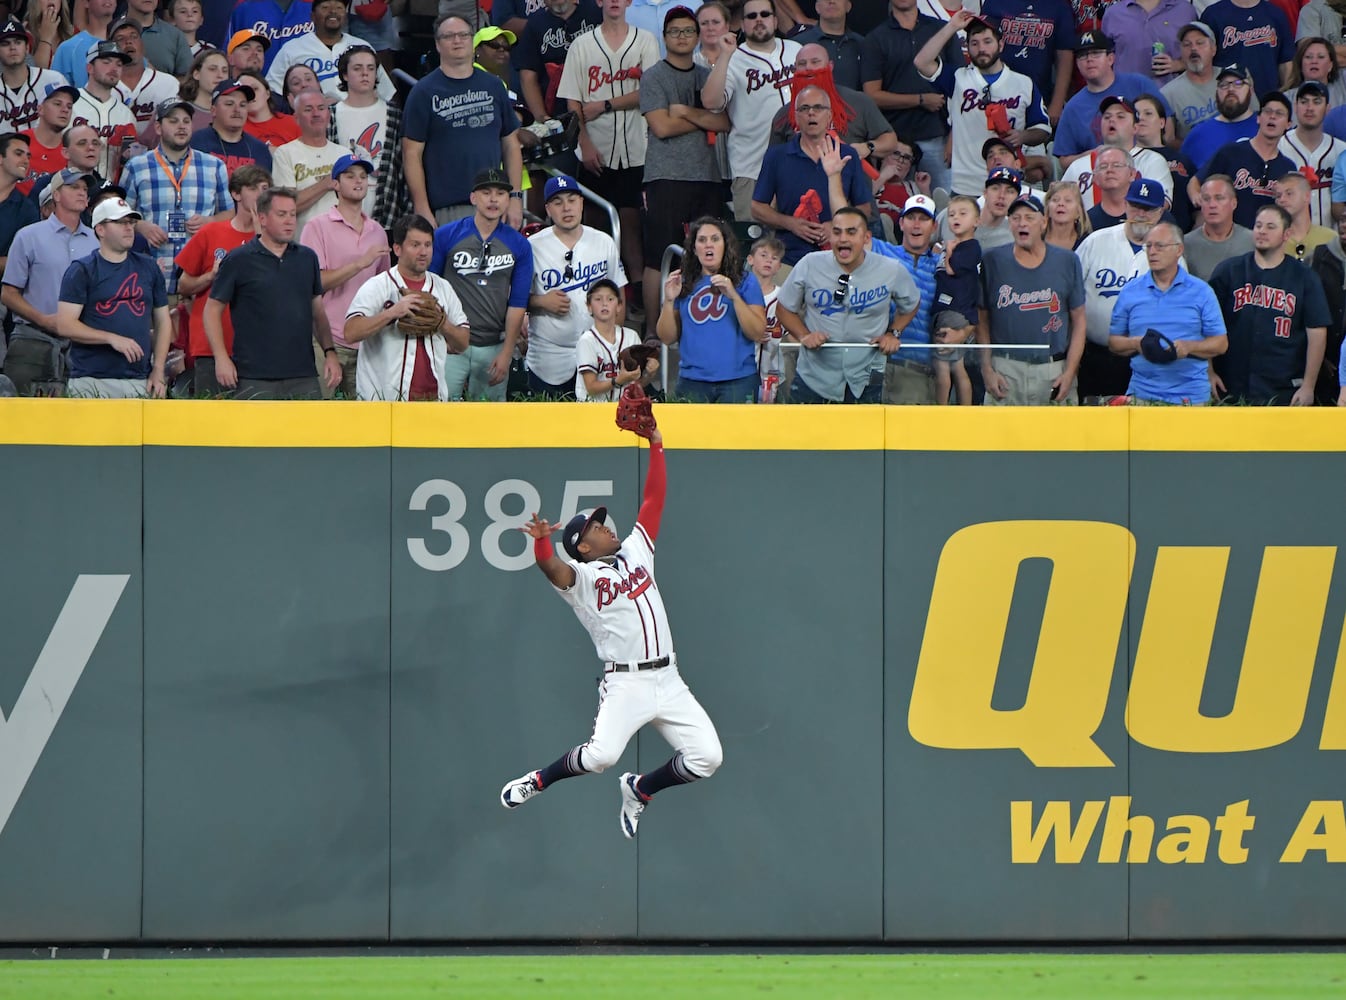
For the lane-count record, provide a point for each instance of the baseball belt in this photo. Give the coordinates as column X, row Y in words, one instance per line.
column 623, row 668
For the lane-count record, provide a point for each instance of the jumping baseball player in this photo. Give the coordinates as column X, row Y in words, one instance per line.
column 609, row 582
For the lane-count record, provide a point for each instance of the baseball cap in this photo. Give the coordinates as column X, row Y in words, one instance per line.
column 124, row 22
column 112, row 209
column 560, row 185
column 680, row 13
column 60, row 179
column 231, row 87
column 13, row 28
column 490, row 33
column 1200, row 26
column 1004, row 175
column 246, row 35
column 492, row 177
column 979, row 23
column 575, row 529
column 344, row 163
column 996, row 142
column 1276, row 97
column 1309, row 87
column 1233, row 69
column 60, row 88
column 1112, row 100
column 100, row 50
column 1146, row 193
column 919, row 203
column 167, row 107
column 1094, row 41
column 1027, row 201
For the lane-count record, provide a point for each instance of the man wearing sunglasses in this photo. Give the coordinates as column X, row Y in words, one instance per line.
column 1257, row 164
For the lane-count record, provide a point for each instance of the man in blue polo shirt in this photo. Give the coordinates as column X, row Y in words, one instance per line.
column 1183, row 310
column 273, row 289
column 792, row 171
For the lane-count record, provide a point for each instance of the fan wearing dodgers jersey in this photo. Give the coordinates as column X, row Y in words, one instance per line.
column 568, row 257
column 979, row 91
column 609, row 584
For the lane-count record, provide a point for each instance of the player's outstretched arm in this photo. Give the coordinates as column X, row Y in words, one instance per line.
column 555, row 569
column 656, row 484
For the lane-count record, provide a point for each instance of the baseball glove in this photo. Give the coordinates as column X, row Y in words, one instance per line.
column 634, row 412
column 1158, row 348
column 633, row 358
column 426, row 316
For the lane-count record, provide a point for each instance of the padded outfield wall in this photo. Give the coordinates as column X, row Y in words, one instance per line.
column 979, row 675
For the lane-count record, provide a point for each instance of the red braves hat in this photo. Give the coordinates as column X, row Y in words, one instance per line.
column 575, row 529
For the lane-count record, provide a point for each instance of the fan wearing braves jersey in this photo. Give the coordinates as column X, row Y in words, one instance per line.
column 609, row 583
column 1313, row 152
column 22, row 87
column 142, row 88
column 100, row 107
column 1117, row 123
column 986, row 98
column 1257, row 164
column 1277, row 317
column 600, row 376
column 278, row 20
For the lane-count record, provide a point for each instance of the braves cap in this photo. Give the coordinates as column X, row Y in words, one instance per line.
column 100, row 50
column 1112, row 100
column 112, row 209
column 979, row 23
column 1145, row 193
column 1094, row 41
column 1200, row 26
column 1005, row 175
column 60, row 88
column 243, row 37
column 575, row 529
column 1234, row 69
column 560, row 184
column 344, row 163
column 1027, row 201
column 919, row 203
column 492, row 177
column 1313, row 88
column 13, row 28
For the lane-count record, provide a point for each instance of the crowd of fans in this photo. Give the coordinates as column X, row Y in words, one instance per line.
column 1011, row 202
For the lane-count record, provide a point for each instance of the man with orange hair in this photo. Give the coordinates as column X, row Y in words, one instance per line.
column 856, row 119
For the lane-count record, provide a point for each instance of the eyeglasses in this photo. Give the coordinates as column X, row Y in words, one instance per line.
column 1099, row 167
column 808, row 109
column 498, row 45
column 904, row 158
column 1231, row 84
column 843, row 287
column 454, row 36
column 755, row 15
column 985, row 96
column 569, row 273
column 1159, row 246
column 681, row 32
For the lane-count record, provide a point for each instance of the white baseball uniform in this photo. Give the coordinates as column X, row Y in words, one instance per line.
column 19, row 106
column 1149, row 164
column 756, row 87
column 551, row 338
column 113, row 122
column 595, row 354
column 387, row 358
column 153, row 88
column 1322, row 162
column 594, row 71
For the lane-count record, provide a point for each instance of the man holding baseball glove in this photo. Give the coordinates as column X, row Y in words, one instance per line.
column 407, row 321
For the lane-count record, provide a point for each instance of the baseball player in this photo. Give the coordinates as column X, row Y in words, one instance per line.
column 609, row 583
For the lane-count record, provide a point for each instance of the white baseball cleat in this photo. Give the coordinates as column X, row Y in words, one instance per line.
column 632, row 804
column 520, row 790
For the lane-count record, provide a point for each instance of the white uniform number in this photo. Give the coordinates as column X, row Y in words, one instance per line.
column 509, row 504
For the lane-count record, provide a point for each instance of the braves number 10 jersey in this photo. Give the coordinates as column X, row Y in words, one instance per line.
column 619, row 604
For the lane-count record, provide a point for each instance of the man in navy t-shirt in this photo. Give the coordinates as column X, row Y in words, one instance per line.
column 114, row 311
column 1257, row 163
column 1257, row 34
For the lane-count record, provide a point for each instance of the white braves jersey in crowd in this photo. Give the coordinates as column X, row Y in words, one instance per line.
column 152, row 88
column 619, row 605
column 113, row 122
column 757, row 86
column 1109, row 260
column 596, row 72
column 19, row 105
column 1321, row 164
column 969, row 96
column 597, row 355
column 1149, row 164
column 386, row 361
column 552, row 339
column 309, row 50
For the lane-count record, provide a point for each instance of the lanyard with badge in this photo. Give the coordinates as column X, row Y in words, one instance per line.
column 177, row 219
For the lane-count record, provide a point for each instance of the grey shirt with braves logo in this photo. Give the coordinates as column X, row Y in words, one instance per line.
column 854, row 311
column 1031, row 305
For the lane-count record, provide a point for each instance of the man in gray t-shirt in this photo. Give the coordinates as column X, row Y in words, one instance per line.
column 1191, row 94
column 1032, row 293
column 1218, row 237
column 845, row 295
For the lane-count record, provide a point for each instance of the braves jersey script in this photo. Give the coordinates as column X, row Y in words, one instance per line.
column 544, row 43
column 595, row 71
column 152, row 88
column 1268, row 312
column 970, row 93
column 1149, row 164
column 266, row 17
column 594, row 353
column 757, row 86
column 1031, row 305
column 1319, row 166
column 619, row 604
column 115, row 125
column 489, row 276
column 1259, row 37
column 1254, row 178
column 19, row 105
column 552, row 338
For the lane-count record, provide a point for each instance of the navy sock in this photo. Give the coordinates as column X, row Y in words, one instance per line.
column 566, row 766
column 674, row 772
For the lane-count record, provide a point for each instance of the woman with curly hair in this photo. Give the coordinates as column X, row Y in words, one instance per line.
column 715, row 312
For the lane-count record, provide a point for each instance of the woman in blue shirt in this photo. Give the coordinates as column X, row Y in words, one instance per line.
column 716, row 313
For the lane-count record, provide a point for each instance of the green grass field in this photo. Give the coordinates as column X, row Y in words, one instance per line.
column 697, row 977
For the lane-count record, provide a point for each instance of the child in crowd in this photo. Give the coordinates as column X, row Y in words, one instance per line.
column 764, row 259
column 956, row 295
column 599, row 376
column 187, row 16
